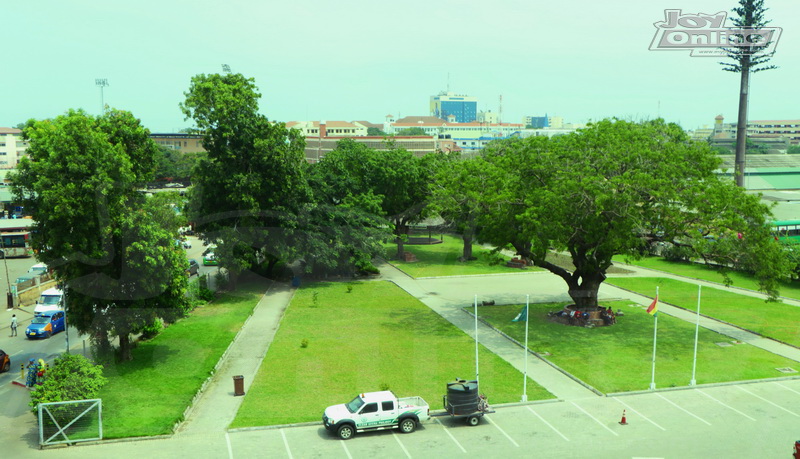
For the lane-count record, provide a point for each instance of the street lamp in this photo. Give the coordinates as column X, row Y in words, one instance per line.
column 102, row 83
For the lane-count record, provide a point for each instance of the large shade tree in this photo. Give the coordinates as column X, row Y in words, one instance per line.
column 392, row 183
column 251, row 187
column 613, row 189
column 81, row 182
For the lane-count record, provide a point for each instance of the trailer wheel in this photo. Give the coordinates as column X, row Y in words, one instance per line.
column 407, row 425
column 345, row 432
column 474, row 420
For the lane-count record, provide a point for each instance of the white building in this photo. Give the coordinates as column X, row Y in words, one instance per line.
column 12, row 147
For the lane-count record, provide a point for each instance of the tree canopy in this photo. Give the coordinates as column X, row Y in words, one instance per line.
column 81, row 182
column 613, row 189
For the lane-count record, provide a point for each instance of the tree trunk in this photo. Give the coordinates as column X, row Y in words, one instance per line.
column 467, row 237
column 741, row 126
column 585, row 294
column 125, row 347
column 400, row 248
column 400, row 230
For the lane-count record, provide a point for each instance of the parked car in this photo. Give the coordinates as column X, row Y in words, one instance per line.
column 210, row 259
column 46, row 324
column 375, row 411
column 24, row 278
column 5, row 361
column 51, row 299
column 38, row 269
column 187, row 244
column 193, row 268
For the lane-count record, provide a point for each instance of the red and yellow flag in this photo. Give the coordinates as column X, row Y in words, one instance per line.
column 653, row 308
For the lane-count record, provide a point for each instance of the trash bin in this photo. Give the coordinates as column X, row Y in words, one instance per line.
column 238, row 385
column 296, row 281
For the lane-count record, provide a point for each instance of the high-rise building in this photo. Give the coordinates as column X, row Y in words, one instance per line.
column 456, row 108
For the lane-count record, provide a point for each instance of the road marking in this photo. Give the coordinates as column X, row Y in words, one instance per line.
column 401, row 445
column 346, row 451
column 228, row 441
column 501, row 431
column 548, row 424
column 727, row 406
column 628, row 407
column 773, row 404
column 447, row 431
column 286, row 444
column 788, row 388
column 683, row 409
column 595, row 419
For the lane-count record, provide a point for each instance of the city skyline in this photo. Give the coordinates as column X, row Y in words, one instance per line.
column 358, row 60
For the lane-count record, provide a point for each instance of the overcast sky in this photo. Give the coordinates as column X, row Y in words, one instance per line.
column 363, row 59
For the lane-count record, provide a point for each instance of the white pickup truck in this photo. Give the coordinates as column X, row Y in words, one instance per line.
column 376, row 411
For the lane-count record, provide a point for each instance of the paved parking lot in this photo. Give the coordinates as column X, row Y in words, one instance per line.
column 760, row 420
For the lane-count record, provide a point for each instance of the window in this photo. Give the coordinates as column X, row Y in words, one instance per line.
column 387, row 406
column 370, row 408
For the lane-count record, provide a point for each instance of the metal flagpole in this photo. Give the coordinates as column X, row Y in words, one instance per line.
column 525, row 373
column 655, row 334
column 696, row 335
column 476, row 341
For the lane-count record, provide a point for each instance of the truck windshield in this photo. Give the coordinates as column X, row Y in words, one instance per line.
column 355, row 404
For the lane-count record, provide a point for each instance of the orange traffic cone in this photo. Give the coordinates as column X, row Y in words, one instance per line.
column 623, row 421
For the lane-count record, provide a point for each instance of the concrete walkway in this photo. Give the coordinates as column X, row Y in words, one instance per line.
column 216, row 407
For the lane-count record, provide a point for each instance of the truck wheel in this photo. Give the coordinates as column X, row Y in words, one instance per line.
column 474, row 420
column 346, row 432
column 407, row 425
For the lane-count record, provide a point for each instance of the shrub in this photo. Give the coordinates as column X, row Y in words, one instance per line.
column 71, row 377
column 678, row 253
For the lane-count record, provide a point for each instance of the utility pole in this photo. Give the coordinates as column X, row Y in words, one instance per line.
column 102, row 83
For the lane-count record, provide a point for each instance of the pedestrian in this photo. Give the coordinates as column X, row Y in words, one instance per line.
column 13, row 325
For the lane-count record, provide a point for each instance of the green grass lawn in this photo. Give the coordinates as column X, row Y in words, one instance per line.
column 618, row 358
column 774, row 320
column 709, row 273
column 442, row 260
column 376, row 337
column 148, row 395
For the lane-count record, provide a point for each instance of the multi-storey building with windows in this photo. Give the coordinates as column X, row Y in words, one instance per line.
column 12, row 147
column 456, row 108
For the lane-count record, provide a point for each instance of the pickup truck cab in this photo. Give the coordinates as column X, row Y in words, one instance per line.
column 376, row 411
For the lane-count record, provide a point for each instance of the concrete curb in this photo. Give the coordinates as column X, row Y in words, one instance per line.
column 698, row 386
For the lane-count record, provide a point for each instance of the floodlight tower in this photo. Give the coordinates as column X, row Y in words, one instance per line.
column 102, row 83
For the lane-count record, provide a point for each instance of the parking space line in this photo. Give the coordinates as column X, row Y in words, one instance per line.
column 447, row 431
column 346, row 451
column 595, row 419
column 548, row 424
column 788, row 388
column 727, row 406
column 501, row 431
column 683, row 409
column 286, row 444
column 228, row 441
column 773, row 404
column 629, row 408
column 401, row 445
